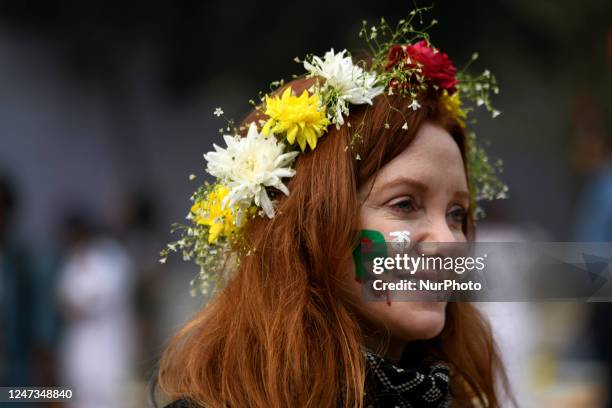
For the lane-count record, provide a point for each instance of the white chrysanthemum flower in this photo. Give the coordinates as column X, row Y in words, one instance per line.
column 248, row 165
column 350, row 82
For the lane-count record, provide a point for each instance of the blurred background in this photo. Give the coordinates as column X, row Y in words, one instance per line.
column 106, row 108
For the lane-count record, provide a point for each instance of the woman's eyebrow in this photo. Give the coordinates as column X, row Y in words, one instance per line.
column 404, row 181
column 462, row 195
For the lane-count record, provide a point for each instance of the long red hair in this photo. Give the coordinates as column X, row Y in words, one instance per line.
column 284, row 332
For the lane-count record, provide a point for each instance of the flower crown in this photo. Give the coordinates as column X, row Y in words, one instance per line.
column 404, row 62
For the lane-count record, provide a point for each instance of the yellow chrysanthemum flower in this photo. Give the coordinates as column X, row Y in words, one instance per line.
column 453, row 104
column 209, row 211
column 300, row 118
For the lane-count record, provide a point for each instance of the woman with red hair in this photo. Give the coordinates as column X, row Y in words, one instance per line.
column 289, row 326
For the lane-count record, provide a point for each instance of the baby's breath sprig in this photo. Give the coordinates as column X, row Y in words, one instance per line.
column 275, row 85
column 380, row 37
column 479, row 89
column 404, row 78
column 230, row 124
column 484, row 182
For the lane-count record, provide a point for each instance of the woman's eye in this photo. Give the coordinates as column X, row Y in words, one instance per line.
column 458, row 214
column 406, row 204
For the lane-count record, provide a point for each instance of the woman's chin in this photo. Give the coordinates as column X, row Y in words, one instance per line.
column 417, row 320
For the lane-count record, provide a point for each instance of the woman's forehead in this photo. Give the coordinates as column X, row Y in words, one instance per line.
column 433, row 156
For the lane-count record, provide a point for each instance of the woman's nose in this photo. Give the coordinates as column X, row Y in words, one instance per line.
column 433, row 235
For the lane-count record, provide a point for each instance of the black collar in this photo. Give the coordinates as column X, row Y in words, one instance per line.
column 394, row 385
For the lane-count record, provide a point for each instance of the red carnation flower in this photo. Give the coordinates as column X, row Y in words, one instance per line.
column 397, row 53
column 436, row 66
